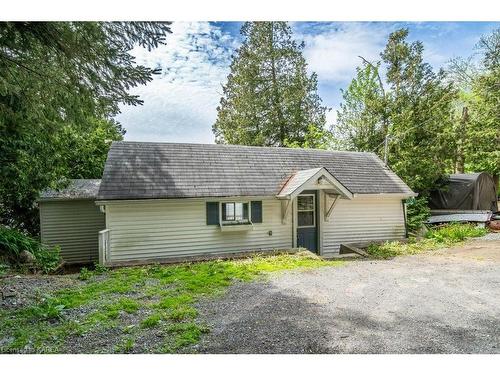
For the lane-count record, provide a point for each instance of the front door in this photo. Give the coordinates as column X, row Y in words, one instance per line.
column 307, row 228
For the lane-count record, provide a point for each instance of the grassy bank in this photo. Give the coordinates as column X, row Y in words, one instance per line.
column 152, row 306
column 435, row 239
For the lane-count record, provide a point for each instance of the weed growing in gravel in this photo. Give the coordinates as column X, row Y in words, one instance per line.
column 183, row 334
column 85, row 274
column 135, row 299
column 125, row 346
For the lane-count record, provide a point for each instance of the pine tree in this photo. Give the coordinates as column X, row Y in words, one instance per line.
column 61, row 83
column 269, row 98
column 420, row 105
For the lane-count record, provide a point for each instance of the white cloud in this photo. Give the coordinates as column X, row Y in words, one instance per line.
column 334, row 52
column 180, row 104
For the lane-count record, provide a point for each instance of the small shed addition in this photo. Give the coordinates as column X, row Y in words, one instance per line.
column 70, row 219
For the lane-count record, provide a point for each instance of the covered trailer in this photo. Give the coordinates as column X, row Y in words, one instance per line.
column 466, row 191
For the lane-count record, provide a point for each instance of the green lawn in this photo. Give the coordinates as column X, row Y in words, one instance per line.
column 124, row 305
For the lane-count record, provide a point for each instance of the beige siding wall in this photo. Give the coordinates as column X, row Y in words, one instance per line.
column 177, row 228
column 74, row 226
column 363, row 219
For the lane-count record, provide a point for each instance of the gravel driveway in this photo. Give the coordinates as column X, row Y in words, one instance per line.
column 441, row 302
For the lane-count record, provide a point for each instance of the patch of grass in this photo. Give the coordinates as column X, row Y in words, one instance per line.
column 183, row 313
column 183, row 334
column 151, row 321
column 456, row 232
column 436, row 238
column 4, row 269
column 165, row 294
column 175, row 301
column 396, row 248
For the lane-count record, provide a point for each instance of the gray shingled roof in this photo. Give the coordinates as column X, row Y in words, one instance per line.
column 77, row 189
column 144, row 170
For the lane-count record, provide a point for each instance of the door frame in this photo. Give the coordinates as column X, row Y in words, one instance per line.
column 317, row 217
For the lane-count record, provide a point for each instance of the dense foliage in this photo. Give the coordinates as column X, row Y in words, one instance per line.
column 477, row 118
column 61, row 83
column 12, row 245
column 269, row 98
column 410, row 109
column 417, row 213
column 429, row 124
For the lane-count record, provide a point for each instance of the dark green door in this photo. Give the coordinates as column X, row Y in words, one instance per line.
column 307, row 228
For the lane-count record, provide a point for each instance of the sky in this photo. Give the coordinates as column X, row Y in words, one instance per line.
column 180, row 103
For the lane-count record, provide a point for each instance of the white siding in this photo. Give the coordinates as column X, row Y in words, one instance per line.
column 177, row 228
column 363, row 219
column 74, row 226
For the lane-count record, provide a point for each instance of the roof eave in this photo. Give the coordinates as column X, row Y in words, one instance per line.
column 304, row 185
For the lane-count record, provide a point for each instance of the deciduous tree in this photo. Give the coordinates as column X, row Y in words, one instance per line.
column 410, row 109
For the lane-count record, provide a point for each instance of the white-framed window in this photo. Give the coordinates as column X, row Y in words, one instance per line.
column 306, row 210
column 235, row 212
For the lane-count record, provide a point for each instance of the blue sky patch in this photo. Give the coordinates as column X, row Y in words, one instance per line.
column 180, row 103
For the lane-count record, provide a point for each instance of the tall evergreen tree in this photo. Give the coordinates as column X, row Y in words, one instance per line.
column 269, row 98
column 420, row 105
column 483, row 146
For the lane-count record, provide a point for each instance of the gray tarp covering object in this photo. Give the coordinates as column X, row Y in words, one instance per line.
column 470, row 191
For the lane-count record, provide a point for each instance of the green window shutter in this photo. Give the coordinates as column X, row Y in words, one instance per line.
column 256, row 211
column 245, row 211
column 212, row 213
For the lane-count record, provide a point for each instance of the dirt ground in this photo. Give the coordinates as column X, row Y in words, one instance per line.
column 446, row 301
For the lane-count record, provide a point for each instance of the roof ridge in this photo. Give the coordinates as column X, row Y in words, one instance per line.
column 244, row 146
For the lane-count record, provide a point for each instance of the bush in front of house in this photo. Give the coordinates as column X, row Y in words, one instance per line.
column 417, row 213
column 455, row 232
column 19, row 251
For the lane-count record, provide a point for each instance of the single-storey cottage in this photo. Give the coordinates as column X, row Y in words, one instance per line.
column 173, row 201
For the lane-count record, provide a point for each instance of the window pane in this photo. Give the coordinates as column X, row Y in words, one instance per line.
column 228, row 209
column 305, row 202
column 239, row 211
column 305, row 218
column 232, row 211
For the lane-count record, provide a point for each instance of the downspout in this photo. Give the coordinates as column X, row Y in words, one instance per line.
column 405, row 217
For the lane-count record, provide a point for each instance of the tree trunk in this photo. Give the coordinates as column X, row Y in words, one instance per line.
column 276, row 95
column 460, row 167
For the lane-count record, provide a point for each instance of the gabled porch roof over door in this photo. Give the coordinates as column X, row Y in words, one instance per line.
column 311, row 179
